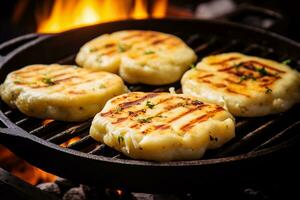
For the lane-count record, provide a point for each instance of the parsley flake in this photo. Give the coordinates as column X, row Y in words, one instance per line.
column 145, row 120
column 268, row 90
column 120, row 139
column 149, row 52
column 246, row 77
column 192, row 66
column 149, row 104
column 286, row 62
column 262, row 71
column 48, row 81
column 123, row 47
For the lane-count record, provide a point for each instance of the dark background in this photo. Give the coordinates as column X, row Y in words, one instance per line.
column 15, row 21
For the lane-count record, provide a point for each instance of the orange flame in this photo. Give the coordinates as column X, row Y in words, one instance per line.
column 22, row 169
column 69, row 142
column 66, row 14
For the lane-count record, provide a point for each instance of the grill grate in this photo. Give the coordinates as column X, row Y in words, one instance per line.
column 252, row 134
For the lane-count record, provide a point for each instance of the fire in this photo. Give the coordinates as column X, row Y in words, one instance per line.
column 69, row 142
column 22, row 169
column 66, row 14
column 47, row 121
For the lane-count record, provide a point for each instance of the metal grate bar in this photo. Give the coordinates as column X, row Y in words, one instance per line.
column 68, row 60
column 278, row 136
column 250, row 137
column 98, row 150
column 8, row 112
column 69, row 133
column 82, row 143
column 26, row 119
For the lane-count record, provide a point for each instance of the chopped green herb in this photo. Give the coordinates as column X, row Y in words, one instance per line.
column 237, row 65
column 48, row 81
column 123, row 47
column 262, row 71
column 150, row 104
column 246, row 77
column 120, row 139
column 286, row 62
column 145, row 120
column 149, row 52
column 18, row 82
column 268, row 90
column 192, row 66
column 93, row 49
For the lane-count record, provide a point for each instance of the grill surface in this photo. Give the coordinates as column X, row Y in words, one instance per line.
column 252, row 134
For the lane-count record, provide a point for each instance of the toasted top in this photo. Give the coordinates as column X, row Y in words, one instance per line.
column 143, row 42
column 149, row 113
column 242, row 75
column 62, row 83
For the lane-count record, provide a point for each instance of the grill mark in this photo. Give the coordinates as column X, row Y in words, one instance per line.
column 161, row 127
column 135, row 102
column 220, row 85
column 158, row 41
column 109, row 45
column 205, row 76
column 110, row 52
column 186, row 113
column 134, row 125
column 266, row 66
column 268, row 82
column 65, row 79
column 224, row 61
column 200, row 119
column 119, row 120
column 135, row 113
column 206, row 81
column 235, row 92
column 132, row 36
column 76, row 92
column 58, row 75
column 225, row 69
column 32, row 69
column 234, row 82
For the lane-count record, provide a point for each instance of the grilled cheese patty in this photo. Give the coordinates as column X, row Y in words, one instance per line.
column 249, row 86
column 162, row 126
column 61, row 92
column 138, row 56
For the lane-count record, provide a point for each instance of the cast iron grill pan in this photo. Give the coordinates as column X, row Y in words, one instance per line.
column 260, row 143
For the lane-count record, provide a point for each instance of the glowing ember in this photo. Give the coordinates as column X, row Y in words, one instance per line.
column 76, row 13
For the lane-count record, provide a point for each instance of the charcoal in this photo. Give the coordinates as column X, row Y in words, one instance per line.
column 50, row 187
column 64, row 184
column 75, row 194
